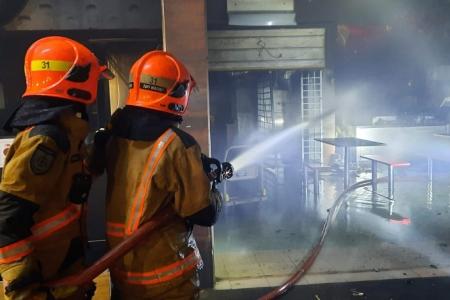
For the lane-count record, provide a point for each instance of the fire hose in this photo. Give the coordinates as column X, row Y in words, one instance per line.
column 217, row 172
column 166, row 214
column 306, row 264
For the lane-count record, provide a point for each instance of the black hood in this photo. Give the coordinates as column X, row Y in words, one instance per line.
column 37, row 110
column 135, row 123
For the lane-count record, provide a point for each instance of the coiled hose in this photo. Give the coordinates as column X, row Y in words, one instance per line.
column 306, row 264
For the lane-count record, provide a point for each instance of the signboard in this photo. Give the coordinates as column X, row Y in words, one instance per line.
column 271, row 49
column 4, row 146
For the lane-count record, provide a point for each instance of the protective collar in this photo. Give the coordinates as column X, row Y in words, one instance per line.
column 135, row 123
column 39, row 110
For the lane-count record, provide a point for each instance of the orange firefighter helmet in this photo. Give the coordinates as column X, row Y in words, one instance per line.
column 160, row 82
column 60, row 67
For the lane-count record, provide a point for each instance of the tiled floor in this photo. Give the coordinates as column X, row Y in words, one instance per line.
column 259, row 245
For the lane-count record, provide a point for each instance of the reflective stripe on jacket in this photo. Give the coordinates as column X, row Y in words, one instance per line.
column 136, row 209
column 43, row 229
column 163, row 274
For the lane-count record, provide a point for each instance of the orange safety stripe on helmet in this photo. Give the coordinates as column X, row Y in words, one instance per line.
column 115, row 229
column 41, row 230
column 163, row 274
column 137, row 206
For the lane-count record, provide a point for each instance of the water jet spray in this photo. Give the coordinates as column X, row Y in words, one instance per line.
column 254, row 154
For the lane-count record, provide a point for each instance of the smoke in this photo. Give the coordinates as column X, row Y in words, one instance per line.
column 403, row 68
column 392, row 80
column 408, row 143
column 424, row 144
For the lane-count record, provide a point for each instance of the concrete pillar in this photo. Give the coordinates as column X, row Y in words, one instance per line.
column 185, row 36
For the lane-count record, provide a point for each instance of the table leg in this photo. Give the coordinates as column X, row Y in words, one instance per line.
column 391, row 182
column 391, row 207
column 346, row 157
column 374, row 176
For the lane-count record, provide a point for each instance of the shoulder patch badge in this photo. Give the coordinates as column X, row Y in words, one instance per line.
column 42, row 160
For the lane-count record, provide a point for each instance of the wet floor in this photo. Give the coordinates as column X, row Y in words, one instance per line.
column 435, row 288
column 259, row 244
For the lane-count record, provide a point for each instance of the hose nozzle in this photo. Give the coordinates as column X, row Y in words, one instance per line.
column 227, row 170
column 217, row 171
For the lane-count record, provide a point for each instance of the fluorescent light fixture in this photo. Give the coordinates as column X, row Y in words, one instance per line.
column 262, row 19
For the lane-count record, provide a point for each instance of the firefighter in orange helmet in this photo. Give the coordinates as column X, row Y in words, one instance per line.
column 152, row 164
column 44, row 183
